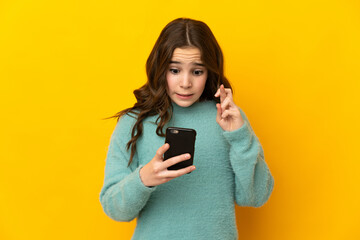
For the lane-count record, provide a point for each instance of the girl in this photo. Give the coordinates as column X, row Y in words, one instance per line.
column 185, row 79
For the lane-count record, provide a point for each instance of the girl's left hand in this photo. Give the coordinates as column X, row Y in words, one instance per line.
column 228, row 114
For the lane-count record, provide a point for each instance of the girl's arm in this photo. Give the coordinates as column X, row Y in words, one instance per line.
column 126, row 189
column 253, row 180
column 123, row 194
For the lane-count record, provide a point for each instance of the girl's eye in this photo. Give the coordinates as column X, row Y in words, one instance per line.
column 174, row 70
column 198, row 72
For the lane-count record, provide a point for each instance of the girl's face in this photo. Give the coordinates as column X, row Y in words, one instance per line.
column 186, row 76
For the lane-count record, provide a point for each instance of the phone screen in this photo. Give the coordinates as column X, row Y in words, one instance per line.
column 181, row 141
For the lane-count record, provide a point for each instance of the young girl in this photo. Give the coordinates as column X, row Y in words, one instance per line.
column 185, row 79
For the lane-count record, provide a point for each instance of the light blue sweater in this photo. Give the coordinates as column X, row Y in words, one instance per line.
column 230, row 168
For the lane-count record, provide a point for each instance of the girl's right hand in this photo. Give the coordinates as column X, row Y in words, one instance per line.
column 155, row 172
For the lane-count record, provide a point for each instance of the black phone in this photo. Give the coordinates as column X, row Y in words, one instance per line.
column 181, row 140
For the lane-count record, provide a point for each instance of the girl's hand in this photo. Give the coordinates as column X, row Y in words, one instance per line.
column 228, row 114
column 155, row 172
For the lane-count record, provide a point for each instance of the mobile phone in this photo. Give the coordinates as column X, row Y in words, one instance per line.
column 181, row 140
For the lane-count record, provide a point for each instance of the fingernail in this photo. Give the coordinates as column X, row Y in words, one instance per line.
column 187, row 156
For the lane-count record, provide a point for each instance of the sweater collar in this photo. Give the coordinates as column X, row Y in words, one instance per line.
column 195, row 107
column 179, row 109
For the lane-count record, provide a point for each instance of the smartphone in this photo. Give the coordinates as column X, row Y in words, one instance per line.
column 181, row 140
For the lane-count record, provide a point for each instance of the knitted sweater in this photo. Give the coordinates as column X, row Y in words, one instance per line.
column 230, row 168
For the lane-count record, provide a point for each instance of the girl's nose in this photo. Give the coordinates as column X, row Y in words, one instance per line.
column 185, row 81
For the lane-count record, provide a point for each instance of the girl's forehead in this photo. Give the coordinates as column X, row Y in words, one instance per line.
column 189, row 54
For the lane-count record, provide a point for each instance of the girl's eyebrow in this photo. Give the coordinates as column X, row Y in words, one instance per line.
column 195, row 63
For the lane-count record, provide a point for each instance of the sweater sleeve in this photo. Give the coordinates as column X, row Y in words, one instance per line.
column 253, row 180
column 123, row 194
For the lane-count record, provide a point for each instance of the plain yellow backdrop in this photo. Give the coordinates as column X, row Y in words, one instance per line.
column 65, row 65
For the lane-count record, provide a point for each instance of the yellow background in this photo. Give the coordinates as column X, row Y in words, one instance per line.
column 65, row 65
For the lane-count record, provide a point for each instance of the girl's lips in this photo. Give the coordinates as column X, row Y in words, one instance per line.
column 187, row 96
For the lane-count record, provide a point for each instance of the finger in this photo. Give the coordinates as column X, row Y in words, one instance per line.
column 226, row 104
column 165, row 179
column 222, row 93
column 180, row 172
column 230, row 113
column 174, row 160
column 228, row 91
column 217, row 94
column 218, row 114
column 226, row 113
column 160, row 152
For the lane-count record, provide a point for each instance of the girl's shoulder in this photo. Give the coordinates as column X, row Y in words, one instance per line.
column 125, row 124
column 128, row 120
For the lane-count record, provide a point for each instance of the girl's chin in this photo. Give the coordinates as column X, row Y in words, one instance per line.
column 183, row 103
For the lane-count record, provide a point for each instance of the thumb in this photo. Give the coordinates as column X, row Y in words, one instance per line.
column 160, row 152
